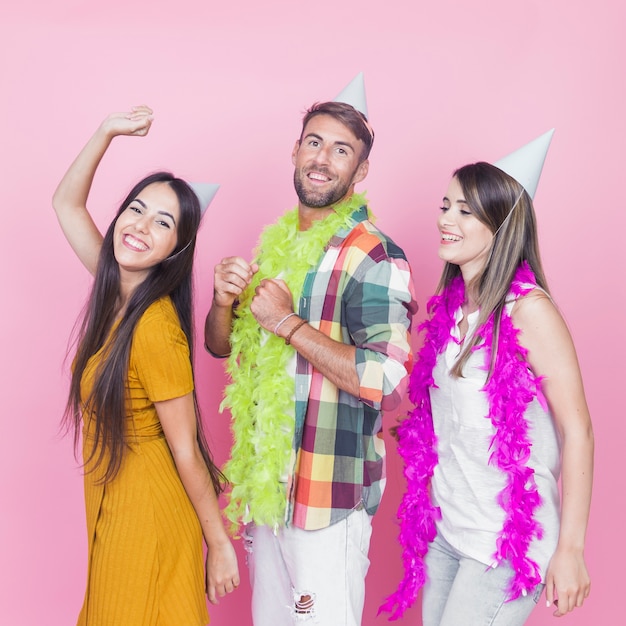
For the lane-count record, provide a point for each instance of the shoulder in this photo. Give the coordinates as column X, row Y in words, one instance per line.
column 376, row 269
column 161, row 310
column 366, row 238
column 534, row 308
column 159, row 324
column 539, row 320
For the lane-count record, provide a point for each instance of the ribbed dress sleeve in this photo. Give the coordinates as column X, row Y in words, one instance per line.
column 161, row 353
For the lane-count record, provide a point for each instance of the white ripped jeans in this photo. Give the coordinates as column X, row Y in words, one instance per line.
column 309, row 576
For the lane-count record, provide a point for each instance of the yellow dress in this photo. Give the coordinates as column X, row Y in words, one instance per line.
column 145, row 542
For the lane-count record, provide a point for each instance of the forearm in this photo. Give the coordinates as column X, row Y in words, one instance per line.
column 373, row 365
column 70, row 201
column 576, row 479
column 217, row 328
column 197, row 483
column 567, row 578
column 73, row 190
column 335, row 360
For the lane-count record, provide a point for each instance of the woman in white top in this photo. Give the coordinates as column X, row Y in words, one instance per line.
column 498, row 373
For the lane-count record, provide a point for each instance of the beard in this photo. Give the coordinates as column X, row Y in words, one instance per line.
column 319, row 199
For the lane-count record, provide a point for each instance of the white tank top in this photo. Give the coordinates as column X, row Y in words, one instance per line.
column 464, row 485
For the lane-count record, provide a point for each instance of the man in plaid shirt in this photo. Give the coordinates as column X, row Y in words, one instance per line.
column 351, row 336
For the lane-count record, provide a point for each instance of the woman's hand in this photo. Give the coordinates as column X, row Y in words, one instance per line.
column 135, row 122
column 567, row 581
column 222, row 571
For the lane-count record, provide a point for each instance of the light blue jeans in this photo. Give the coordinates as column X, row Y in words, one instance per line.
column 462, row 591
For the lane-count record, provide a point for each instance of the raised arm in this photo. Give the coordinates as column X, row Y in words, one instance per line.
column 551, row 354
column 70, row 198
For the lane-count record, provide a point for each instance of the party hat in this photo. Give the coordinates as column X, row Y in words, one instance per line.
column 525, row 164
column 205, row 192
column 354, row 94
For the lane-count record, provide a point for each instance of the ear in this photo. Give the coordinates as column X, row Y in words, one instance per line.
column 294, row 152
column 361, row 172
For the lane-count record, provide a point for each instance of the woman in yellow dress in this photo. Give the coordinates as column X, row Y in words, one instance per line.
column 150, row 484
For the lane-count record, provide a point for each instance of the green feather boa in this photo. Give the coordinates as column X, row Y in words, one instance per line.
column 261, row 395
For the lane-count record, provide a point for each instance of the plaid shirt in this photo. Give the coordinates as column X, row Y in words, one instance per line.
column 361, row 293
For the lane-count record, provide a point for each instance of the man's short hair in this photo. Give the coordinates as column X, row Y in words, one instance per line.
column 348, row 116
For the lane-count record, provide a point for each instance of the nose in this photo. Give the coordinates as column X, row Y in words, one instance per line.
column 445, row 219
column 141, row 224
column 322, row 155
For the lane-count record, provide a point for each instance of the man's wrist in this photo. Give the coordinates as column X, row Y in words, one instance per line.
column 294, row 327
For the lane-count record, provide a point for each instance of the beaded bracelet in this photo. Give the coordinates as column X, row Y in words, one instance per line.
column 300, row 324
column 281, row 322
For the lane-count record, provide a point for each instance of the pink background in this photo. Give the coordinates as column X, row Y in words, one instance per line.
column 448, row 83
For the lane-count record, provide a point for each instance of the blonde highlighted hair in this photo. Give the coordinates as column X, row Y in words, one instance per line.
column 504, row 206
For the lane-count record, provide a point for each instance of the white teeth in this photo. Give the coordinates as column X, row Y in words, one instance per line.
column 135, row 243
column 448, row 237
column 318, row 177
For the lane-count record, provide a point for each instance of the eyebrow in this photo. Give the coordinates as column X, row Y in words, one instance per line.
column 336, row 143
column 143, row 204
column 446, row 199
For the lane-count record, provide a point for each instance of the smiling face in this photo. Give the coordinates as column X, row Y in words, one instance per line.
column 146, row 231
column 327, row 163
column 464, row 240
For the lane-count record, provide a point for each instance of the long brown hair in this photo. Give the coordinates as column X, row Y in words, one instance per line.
column 504, row 206
column 107, row 402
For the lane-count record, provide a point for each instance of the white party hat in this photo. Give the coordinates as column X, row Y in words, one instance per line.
column 354, row 94
column 525, row 164
column 205, row 192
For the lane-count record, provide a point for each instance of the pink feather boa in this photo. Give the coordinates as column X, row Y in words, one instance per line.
column 509, row 390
